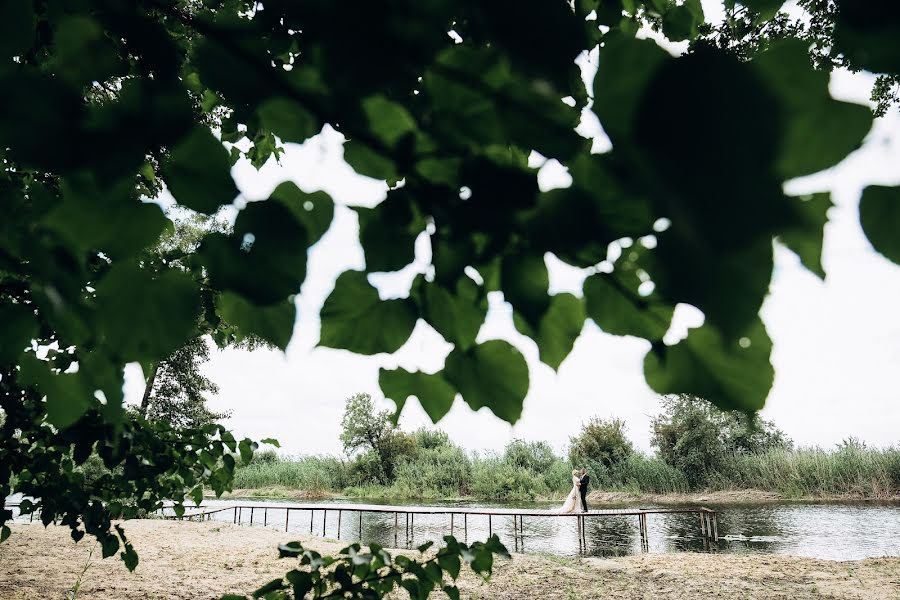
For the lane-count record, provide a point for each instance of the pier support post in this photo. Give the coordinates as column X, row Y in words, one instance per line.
column 516, row 532
column 265, row 515
column 451, row 523
column 465, row 527
column 702, row 525
column 287, row 516
column 489, row 526
column 339, row 524
column 522, row 530
column 312, row 515
column 715, row 522
column 360, row 525
column 396, row 523
column 324, row 520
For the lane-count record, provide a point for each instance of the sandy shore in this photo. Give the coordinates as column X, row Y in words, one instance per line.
column 183, row 560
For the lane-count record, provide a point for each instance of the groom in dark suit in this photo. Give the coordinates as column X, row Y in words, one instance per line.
column 582, row 489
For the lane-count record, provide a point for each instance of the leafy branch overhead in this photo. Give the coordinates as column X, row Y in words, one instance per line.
column 106, row 104
column 354, row 573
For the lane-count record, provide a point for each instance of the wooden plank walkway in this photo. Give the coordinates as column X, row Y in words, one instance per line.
column 708, row 518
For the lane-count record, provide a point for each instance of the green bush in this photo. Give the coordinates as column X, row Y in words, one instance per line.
column 602, row 442
column 534, row 456
column 442, row 471
column 696, row 438
column 427, row 439
column 309, row 473
column 494, row 478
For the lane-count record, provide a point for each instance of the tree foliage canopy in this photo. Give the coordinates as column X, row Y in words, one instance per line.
column 107, row 101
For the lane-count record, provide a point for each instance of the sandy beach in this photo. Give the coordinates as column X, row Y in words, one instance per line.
column 184, row 560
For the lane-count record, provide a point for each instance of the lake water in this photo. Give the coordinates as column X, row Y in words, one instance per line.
column 831, row 531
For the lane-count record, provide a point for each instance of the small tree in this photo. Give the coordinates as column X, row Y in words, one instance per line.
column 600, row 441
column 177, row 391
column 364, row 430
column 694, row 436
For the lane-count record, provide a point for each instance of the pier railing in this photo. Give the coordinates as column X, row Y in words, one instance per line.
column 250, row 514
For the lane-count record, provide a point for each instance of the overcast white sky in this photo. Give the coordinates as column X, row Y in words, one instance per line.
column 836, row 343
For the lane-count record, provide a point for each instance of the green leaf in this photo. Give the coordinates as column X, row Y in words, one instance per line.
column 109, row 545
column 85, row 54
column 766, row 8
column 290, row 549
column 452, row 591
column 449, row 562
column 128, row 225
column 560, row 327
column 233, row 597
column 288, row 119
column 4, row 533
column 457, row 315
column 198, row 172
column 16, row 27
column 807, row 238
column 246, row 448
column 264, row 260
column 729, row 287
column 492, row 374
column 625, row 68
column 19, row 327
column 867, row 34
column 820, row 131
column 423, row 547
column 197, row 495
column 275, row 584
column 732, row 375
column 388, row 233
column 475, row 99
column 314, row 211
column 130, row 557
column 621, row 311
column 525, row 282
column 367, row 161
column 355, row 319
column 682, row 22
column 144, row 317
column 300, row 581
column 274, row 323
column 68, row 395
column 271, row 442
column 432, row 390
column 388, row 121
column 879, row 215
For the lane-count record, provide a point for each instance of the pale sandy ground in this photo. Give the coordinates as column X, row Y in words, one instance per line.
column 183, row 560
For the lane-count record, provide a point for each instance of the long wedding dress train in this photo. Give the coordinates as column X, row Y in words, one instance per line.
column 571, row 502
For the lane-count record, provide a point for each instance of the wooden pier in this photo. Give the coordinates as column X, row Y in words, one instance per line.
column 251, row 514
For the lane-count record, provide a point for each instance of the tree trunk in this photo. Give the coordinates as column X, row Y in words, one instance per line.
column 145, row 401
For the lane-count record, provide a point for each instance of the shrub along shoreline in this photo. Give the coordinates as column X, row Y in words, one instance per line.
column 847, row 473
column 699, row 450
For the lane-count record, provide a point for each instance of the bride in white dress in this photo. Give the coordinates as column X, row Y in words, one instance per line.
column 572, row 499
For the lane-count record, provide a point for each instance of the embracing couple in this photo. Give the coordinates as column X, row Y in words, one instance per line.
column 578, row 495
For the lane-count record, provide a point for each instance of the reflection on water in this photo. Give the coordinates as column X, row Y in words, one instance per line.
column 831, row 531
